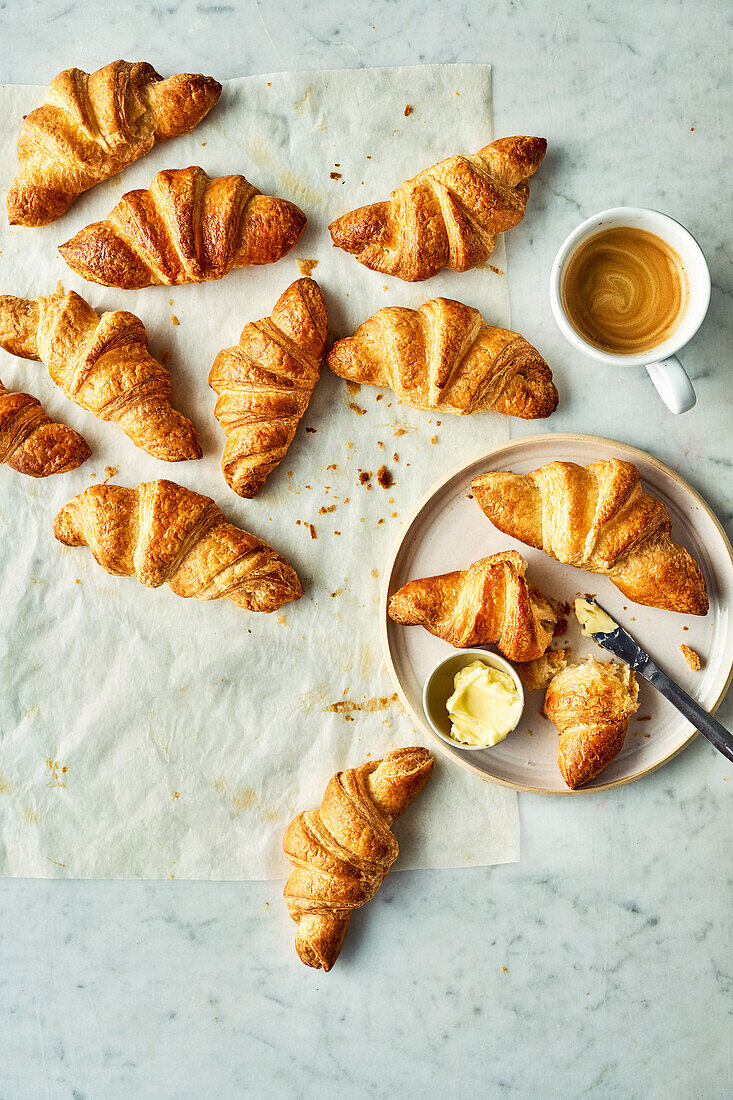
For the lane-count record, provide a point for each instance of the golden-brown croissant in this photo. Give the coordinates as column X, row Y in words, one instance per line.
column 447, row 216
column 490, row 603
column 186, row 228
column 591, row 705
column 165, row 534
column 32, row 443
column 91, row 126
column 265, row 383
column 103, row 364
column 597, row 517
column 341, row 853
column 444, row 356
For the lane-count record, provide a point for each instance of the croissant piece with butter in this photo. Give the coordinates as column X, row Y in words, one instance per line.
column 591, row 705
column 186, row 228
column 103, row 364
column 447, row 216
column 341, row 853
column 443, row 356
column 597, row 517
column 265, row 383
column 32, row 443
column 490, row 603
column 166, row 534
column 91, row 126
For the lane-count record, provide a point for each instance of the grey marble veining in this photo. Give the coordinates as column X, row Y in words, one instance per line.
column 614, row 929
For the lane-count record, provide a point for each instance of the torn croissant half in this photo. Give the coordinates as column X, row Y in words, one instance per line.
column 597, row 517
column 591, row 705
column 341, row 852
column 445, row 357
column 91, row 126
column 264, row 384
column 186, row 228
column 490, row 603
column 447, row 216
column 163, row 533
column 103, row 364
column 34, row 444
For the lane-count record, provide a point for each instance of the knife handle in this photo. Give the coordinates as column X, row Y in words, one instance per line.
column 708, row 726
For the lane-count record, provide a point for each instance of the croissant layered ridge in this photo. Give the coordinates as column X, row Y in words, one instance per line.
column 101, row 362
column 93, row 125
column 186, row 228
column 444, row 357
column 341, row 852
column 489, row 603
column 448, row 216
column 34, row 444
column 265, row 383
column 597, row 517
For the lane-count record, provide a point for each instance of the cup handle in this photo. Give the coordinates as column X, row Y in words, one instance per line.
column 672, row 384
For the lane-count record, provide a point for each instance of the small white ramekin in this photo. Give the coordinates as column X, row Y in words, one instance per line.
column 439, row 688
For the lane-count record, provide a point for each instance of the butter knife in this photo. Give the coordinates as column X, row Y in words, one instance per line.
column 622, row 645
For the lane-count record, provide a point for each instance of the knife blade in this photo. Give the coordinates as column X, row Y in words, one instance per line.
column 622, row 645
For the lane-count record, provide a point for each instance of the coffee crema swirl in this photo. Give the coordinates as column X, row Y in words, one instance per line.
column 625, row 290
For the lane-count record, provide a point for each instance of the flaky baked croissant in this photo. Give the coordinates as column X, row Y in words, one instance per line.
column 186, row 228
column 447, row 216
column 597, row 517
column 165, row 534
column 265, row 383
column 103, row 364
column 92, row 126
column 34, row 444
column 490, row 603
column 444, row 356
column 537, row 674
column 591, row 705
column 341, row 853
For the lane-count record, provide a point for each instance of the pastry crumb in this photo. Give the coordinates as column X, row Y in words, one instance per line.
column 335, row 175
column 353, row 387
column 110, row 471
column 312, row 431
column 305, row 267
column 174, row 319
column 324, row 511
column 312, row 530
column 357, row 408
column 332, row 466
column 692, row 658
column 408, row 109
column 379, row 397
column 433, row 439
column 281, row 620
column 337, row 592
column 375, row 572
column 400, row 431
column 364, row 477
column 384, row 477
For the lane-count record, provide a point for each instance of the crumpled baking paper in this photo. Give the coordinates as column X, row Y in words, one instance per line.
column 146, row 736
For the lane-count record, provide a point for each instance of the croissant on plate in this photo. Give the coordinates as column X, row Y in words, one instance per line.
column 103, row 364
column 34, row 444
column 165, row 534
column 447, row 216
column 597, row 517
column 265, row 383
column 490, row 603
column 341, row 853
column 537, row 674
column 591, row 705
column 91, row 126
column 443, row 356
column 186, row 228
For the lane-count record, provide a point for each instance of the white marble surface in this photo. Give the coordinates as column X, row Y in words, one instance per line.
column 614, row 929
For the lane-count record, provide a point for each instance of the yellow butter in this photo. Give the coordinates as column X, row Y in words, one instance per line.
column 485, row 705
column 593, row 619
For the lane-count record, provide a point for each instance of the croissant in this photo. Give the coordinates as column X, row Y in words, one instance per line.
column 490, row 603
column 444, row 356
column 165, row 534
column 92, row 126
column 598, row 518
column 447, row 216
column 32, row 443
column 591, row 705
column 186, row 228
column 264, row 385
column 103, row 364
column 342, row 852
column 536, row 675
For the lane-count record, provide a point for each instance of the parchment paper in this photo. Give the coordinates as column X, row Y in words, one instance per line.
column 142, row 735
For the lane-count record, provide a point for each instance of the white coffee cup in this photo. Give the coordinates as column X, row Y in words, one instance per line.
column 665, row 369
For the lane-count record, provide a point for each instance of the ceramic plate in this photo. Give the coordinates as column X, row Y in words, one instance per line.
column 448, row 531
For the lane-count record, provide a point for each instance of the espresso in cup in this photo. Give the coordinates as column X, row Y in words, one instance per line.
column 625, row 290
